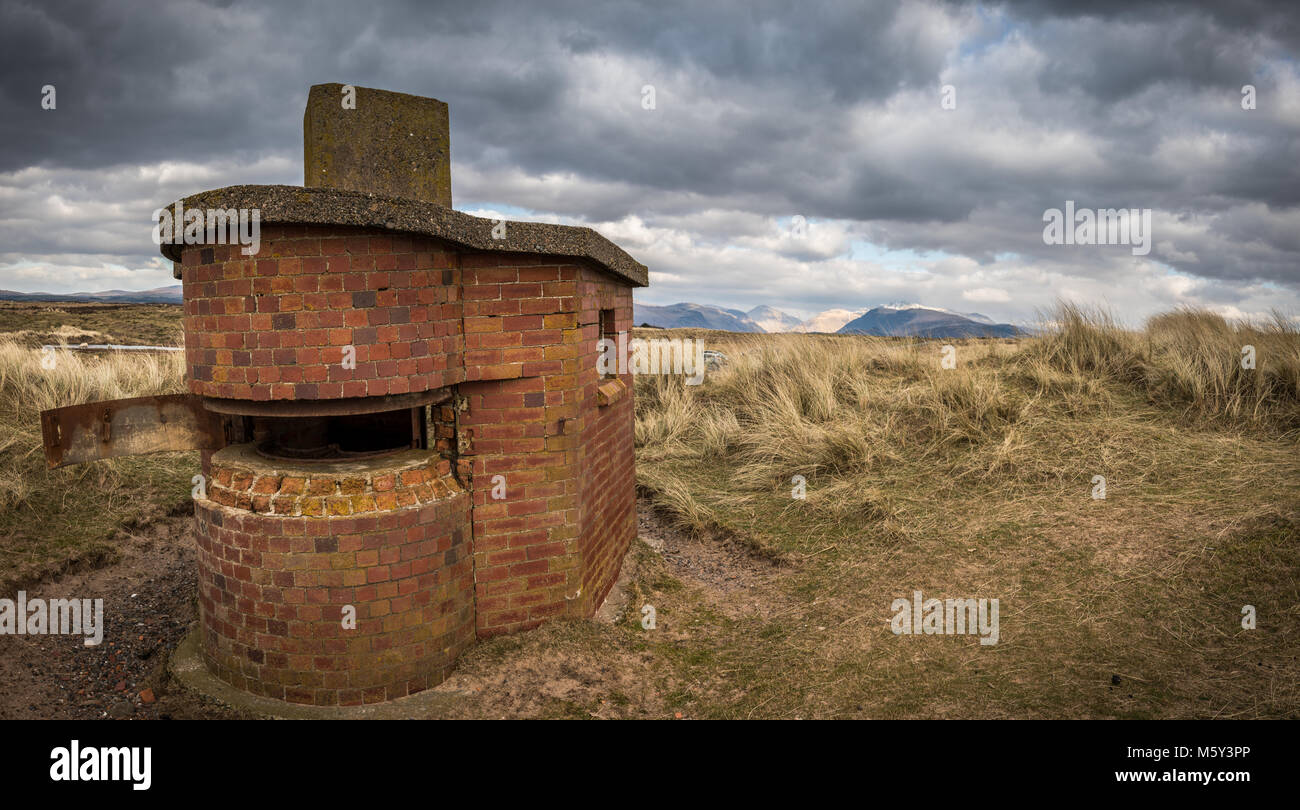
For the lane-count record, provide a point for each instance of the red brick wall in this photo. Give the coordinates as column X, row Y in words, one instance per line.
column 273, row 326
column 272, row 589
column 607, row 493
column 521, row 421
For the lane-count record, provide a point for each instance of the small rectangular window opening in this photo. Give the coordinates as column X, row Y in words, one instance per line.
column 608, row 332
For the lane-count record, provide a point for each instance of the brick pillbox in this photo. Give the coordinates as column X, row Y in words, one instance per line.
column 382, row 367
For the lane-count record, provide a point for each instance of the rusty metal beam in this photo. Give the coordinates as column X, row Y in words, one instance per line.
column 350, row 406
column 129, row 427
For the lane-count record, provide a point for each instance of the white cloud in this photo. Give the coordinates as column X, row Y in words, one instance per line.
column 987, row 295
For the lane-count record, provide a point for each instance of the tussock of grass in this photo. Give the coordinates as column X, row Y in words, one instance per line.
column 1196, row 359
column 1187, row 359
column 826, row 408
column 673, row 496
column 1081, row 340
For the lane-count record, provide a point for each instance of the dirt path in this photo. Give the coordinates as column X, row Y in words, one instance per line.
column 726, row 574
column 148, row 604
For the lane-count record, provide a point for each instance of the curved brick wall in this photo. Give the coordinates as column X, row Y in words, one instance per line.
column 242, row 478
column 272, row 587
column 273, row 326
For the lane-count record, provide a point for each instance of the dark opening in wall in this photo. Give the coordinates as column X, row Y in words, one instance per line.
column 328, row 438
column 608, row 332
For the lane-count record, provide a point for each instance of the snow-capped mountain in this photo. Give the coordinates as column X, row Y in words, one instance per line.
column 773, row 320
column 916, row 320
column 974, row 316
column 899, row 319
column 829, row 321
column 693, row 316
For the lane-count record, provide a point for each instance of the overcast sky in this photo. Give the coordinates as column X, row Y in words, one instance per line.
column 763, row 113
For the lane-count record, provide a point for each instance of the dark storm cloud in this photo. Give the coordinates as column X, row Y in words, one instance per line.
column 1277, row 17
column 764, row 110
column 229, row 76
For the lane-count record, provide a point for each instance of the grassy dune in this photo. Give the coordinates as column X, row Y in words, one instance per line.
column 977, row 481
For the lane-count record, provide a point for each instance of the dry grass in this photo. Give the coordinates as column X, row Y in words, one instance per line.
column 1188, row 359
column 62, row 322
column 841, row 409
column 52, row 518
column 27, row 388
column 1195, row 358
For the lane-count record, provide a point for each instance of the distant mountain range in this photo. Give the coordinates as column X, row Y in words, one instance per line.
column 773, row 320
column 915, row 320
column 829, row 321
column 894, row 320
column 694, row 316
column 161, row 295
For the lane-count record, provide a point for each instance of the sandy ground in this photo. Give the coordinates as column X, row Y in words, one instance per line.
column 149, row 602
